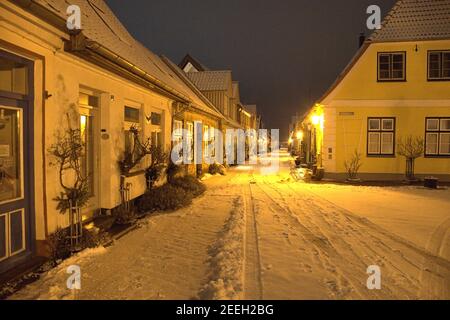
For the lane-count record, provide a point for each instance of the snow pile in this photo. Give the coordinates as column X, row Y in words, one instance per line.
column 53, row 284
column 227, row 257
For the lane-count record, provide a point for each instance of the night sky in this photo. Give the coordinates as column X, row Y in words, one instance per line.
column 284, row 53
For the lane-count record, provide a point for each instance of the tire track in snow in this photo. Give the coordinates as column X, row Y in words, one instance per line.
column 362, row 245
column 339, row 283
column 438, row 267
column 436, row 280
column 253, row 283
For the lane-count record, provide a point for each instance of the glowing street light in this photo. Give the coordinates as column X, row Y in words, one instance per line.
column 299, row 135
column 315, row 120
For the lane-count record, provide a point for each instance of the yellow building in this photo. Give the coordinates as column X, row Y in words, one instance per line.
column 397, row 86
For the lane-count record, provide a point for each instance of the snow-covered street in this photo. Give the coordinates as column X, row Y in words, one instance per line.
column 254, row 236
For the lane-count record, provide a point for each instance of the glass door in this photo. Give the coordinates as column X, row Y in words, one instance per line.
column 13, row 209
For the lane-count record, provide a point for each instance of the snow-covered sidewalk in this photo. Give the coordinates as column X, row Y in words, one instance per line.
column 167, row 258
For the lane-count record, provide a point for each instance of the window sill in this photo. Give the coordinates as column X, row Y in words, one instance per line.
column 381, row 156
column 437, row 156
column 393, row 80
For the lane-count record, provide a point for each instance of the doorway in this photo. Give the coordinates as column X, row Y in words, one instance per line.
column 16, row 161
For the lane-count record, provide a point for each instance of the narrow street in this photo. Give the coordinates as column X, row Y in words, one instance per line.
column 253, row 236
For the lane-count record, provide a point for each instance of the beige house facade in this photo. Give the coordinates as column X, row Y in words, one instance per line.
column 100, row 80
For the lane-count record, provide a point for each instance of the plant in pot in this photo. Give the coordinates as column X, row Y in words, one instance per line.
column 67, row 152
column 352, row 167
column 412, row 148
column 158, row 163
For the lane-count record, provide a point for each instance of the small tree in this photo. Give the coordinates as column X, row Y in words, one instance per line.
column 411, row 148
column 352, row 167
column 68, row 151
column 131, row 158
column 158, row 163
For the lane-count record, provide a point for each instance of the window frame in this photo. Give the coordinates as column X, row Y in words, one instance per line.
column 391, row 54
column 380, row 132
column 190, row 136
column 441, row 69
column 179, row 138
column 127, row 125
column 438, row 132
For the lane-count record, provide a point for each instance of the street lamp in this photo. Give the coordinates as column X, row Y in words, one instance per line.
column 299, row 135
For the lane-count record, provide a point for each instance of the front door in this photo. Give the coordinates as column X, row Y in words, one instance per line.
column 14, row 182
column 16, row 161
column 90, row 162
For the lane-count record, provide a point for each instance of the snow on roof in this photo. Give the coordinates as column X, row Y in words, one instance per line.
column 415, row 20
column 211, row 80
column 99, row 24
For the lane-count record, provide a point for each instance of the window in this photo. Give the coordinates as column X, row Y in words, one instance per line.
column 439, row 65
column 392, row 66
column 190, row 140
column 380, row 136
column 11, row 154
column 13, row 76
column 437, row 137
column 155, row 119
column 205, row 141
column 156, row 139
column 132, row 114
column 178, row 138
column 155, row 128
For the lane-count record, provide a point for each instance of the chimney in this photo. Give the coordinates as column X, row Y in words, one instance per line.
column 362, row 39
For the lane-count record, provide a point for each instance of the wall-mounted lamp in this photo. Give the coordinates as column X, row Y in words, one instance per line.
column 112, row 98
column 417, row 48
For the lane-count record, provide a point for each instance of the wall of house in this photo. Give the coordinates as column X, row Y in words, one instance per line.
column 63, row 76
column 360, row 96
column 361, row 82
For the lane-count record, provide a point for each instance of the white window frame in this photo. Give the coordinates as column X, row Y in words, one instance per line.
column 127, row 125
column 439, row 132
column 178, row 136
column 380, row 132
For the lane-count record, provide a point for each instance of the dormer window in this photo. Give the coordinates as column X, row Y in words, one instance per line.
column 391, row 66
